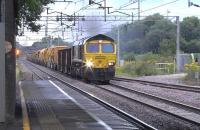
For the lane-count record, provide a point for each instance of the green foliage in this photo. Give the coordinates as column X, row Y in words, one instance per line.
column 133, row 46
column 137, row 69
column 46, row 41
column 28, row 12
column 157, row 34
column 129, row 57
column 192, row 70
column 153, row 39
column 167, row 47
column 129, row 69
column 192, row 46
column 148, row 57
column 144, row 65
column 152, row 19
column 145, row 69
column 164, row 25
column 146, row 35
column 190, row 28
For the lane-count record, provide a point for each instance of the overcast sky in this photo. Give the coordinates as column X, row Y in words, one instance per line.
column 148, row 7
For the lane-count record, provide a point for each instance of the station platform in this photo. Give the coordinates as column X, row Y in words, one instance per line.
column 46, row 107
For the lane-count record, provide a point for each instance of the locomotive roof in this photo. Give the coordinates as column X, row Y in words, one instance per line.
column 100, row 37
column 58, row 46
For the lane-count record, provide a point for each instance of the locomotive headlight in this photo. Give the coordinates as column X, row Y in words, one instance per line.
column 89, row 63
column 111, row 63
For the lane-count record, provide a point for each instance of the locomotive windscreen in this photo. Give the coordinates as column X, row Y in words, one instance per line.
column 93, row 47
column 107, row 48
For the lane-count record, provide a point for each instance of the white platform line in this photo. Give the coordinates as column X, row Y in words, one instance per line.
column 96, row 118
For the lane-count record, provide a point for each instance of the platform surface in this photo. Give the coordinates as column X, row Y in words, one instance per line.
column 49, row 109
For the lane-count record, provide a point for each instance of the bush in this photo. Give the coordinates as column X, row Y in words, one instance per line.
column 129, row 57
column 146, row 69
column 137, row 69
column 191, row 69
column 144, row 65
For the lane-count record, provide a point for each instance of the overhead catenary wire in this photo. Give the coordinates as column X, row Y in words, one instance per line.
column 107, row 23
column 142, row 12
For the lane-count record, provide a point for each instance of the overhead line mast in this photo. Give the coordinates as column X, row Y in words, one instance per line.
column 138, row 9
column 192, row 4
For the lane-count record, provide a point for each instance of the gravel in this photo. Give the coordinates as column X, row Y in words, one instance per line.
column 190, row 98
column 172, row 78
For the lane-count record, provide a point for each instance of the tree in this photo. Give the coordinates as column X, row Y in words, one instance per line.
column 129, row 57
column 136, row 31
column 28, row 12
column 152, row 19
column 190, row 28
column 133, row 46
column 193, row 46
column 167, row 47
column 152, row 40
column 164, row 25
column 157, row 34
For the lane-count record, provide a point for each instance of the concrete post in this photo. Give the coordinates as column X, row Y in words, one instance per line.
column 118, row 45
column 2, row 59
column 178, row 65
column 139, row 9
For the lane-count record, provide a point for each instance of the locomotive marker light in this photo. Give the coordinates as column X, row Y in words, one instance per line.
column 89, row 64
column 111, row 63
column 100, row 41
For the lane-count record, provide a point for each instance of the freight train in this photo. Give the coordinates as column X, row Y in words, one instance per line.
column 93, row 60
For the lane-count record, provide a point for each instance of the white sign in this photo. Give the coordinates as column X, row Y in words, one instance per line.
column 8, row 46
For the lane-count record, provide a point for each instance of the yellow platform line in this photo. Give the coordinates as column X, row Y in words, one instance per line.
column 26, row 124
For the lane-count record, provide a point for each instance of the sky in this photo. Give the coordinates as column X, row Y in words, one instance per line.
column 85, row 29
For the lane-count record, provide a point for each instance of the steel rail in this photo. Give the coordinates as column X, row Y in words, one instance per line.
column 126, row 116
column 40, row 77
column 151, row 106
column 184, row 106
column 161, row 85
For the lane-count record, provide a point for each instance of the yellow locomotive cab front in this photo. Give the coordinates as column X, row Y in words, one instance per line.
column 100, row 54
column 100, row 59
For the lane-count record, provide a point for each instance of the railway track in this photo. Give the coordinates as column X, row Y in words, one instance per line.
column 161, row 85
column 142, row 125
column 176, row 109
column 35, row 74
